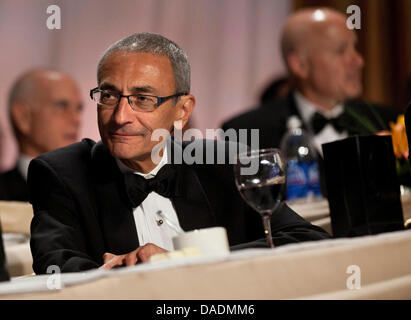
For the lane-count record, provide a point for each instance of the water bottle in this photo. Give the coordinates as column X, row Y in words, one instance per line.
column 303, row 177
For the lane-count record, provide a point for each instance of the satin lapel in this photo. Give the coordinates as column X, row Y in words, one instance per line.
column 115, row 212
column 191, row 203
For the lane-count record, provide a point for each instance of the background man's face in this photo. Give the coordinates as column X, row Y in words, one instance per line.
column 55, row 114
column 125, row 132
column 334, row 64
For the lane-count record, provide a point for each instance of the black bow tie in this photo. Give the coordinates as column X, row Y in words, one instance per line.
column 138, row 188
column 318, row 122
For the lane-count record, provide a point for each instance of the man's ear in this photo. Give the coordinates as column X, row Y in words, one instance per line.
column 186, row 106
column 21, row 115
column 297, row 63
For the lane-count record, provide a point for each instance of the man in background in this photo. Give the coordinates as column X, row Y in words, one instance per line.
column 44, row 110
column 325, row 71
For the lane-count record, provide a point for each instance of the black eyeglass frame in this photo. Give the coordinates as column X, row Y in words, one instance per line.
column 160, row 100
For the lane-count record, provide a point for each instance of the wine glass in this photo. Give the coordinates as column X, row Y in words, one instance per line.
column 260, row 177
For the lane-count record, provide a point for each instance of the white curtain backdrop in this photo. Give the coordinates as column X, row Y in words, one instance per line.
column 233, row 47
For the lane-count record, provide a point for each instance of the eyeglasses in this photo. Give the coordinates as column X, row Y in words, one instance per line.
column 138, row 102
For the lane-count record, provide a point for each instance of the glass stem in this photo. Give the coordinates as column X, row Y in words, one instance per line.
column 267, row 228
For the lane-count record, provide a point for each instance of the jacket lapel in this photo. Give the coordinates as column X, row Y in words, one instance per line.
column 190, row 202
column 115, row 212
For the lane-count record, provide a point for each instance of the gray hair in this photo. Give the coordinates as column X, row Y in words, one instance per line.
column 156, row 45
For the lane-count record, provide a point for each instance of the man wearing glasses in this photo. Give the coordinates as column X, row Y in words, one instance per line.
column 104, row 204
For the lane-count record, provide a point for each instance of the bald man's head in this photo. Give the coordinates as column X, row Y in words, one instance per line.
column 303, row 28
column 44, row 108
column 319, row 51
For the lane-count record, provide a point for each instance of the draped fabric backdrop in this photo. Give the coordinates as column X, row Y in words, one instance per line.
column 233, row 46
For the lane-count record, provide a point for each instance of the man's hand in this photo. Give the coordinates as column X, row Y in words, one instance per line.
column 141, row 254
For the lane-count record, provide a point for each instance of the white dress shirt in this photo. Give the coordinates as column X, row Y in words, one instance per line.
column 150, row 226
column 328, row 133
column 23, row 165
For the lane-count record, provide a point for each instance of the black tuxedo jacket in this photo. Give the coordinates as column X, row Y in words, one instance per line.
column 13, row 186
column 81, row 209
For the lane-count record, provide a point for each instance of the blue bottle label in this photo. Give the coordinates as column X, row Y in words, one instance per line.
column 302, row 180
column 314, row 179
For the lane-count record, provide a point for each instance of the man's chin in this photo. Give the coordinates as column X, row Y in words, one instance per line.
column 125, row 151
column 62, row 143
column 353, row 93
column 70, row 141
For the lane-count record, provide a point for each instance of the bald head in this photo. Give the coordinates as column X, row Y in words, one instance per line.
column 44, row 107
column 320, row 53
column 29, row 84
column 303, row 28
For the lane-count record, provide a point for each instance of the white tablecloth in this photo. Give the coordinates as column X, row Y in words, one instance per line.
column 315, row 270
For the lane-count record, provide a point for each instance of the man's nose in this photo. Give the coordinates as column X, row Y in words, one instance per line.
column 357, row 58
column 75, row 116
column 122, row 112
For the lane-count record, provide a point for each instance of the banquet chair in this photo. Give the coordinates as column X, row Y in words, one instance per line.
column 15, row 219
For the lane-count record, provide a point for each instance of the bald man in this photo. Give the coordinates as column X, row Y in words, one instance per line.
column 325, row 71
column 44, row 110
